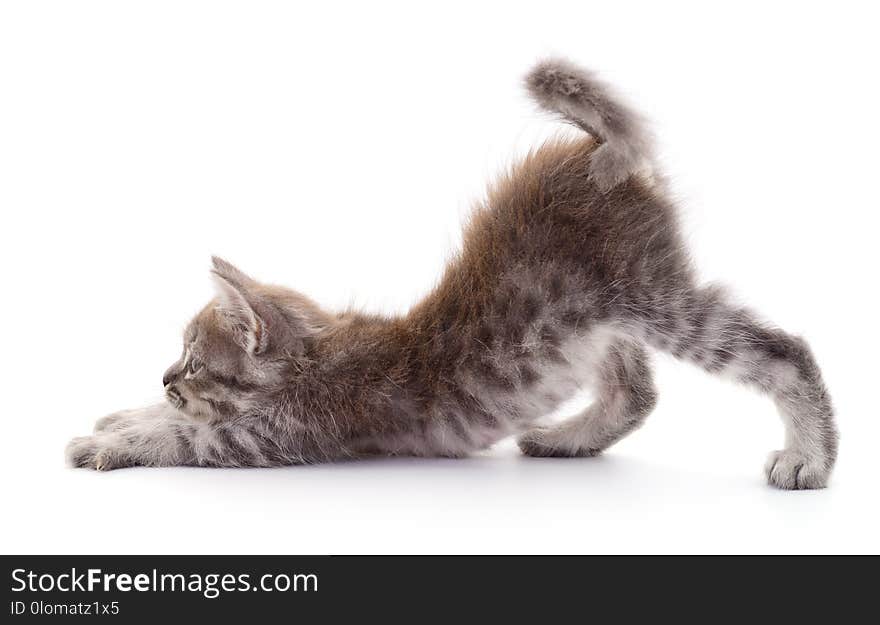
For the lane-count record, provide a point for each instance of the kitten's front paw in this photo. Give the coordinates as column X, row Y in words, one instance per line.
column 793, row 470
column 96, row 452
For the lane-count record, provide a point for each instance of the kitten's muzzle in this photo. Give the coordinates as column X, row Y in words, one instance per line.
column 174, row 396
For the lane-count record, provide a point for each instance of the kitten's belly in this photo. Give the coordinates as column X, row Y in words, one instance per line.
column 457, row 431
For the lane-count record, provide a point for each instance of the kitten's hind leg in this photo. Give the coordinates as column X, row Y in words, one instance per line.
column 702, row 327
column 625, row 397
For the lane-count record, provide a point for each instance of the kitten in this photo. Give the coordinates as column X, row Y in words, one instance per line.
column 569, row 271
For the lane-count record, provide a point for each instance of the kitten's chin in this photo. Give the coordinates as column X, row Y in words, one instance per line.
column 188, row 410
column 197, row 408
column 194, row 409
column 175, row 399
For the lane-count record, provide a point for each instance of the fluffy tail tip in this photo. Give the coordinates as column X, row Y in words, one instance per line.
column 575, row 93
column 555, row 77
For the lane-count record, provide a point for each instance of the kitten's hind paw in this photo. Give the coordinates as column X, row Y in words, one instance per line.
column 793, row 470
column 539, row 443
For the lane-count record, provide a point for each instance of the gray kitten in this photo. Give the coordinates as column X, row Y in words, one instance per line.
column 569, row 270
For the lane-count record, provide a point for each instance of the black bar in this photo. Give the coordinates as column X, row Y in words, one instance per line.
column 424, row 588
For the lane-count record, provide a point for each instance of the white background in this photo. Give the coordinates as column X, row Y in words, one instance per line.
column 335, row 148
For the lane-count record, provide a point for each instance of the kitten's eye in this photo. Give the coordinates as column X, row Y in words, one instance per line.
column 195, row 365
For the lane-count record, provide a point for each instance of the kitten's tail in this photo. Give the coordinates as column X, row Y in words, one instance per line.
column 574, row 93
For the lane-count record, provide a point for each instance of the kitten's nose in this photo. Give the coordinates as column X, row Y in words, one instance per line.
column 169, row 376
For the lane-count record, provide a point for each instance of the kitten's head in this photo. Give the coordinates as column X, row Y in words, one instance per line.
column 238, row 350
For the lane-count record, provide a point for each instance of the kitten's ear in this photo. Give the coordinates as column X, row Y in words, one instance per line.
column 229, row 272
column 237, row 306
